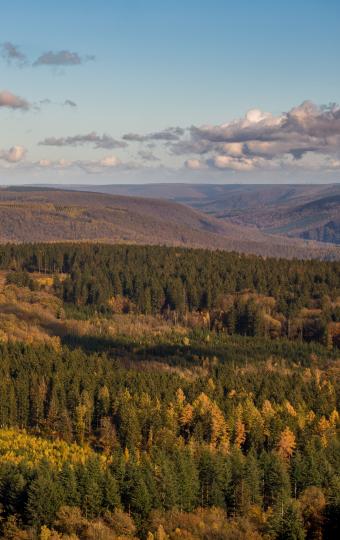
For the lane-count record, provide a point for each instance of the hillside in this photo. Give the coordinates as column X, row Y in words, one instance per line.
column 142, row 399
column 302, row 211
column 248, row 295
column 29, row 214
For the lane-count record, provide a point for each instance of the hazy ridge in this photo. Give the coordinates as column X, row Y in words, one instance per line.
column 36, row 214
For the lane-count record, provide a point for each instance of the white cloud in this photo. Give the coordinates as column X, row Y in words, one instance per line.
column 44, row 163
column 14, row 154
column 11, row 101
column 263, row 140
column 90, row 166
column 228, row 162
column 194, row 164
column 334, row 164
column 233, row 149
column 109, row 161
column 254, row 116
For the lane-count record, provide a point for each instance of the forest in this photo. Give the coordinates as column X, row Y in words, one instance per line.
column 162, row 393
column 241, row 294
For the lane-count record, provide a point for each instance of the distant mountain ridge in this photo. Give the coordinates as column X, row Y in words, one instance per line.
column 308, row 211
column 36, row 215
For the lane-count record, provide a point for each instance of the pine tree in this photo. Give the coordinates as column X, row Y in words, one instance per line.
column 290, row 524
column 214, row 478
column 135, row 494
column 69, row 485
column 44, row 497
column 276, row 481
column 188, row 481
column 90, row 492
column 111, row 497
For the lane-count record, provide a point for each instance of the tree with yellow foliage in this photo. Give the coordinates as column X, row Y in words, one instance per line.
column 210, row 418
column 325, row 430
column 240, row 433
column 286, row 445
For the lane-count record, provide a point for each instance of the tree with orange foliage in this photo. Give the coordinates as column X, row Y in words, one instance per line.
column 286, row 444
column 240, row 433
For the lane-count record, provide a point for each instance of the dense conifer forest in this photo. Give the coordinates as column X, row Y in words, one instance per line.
column 241, row 294
column 163, row 393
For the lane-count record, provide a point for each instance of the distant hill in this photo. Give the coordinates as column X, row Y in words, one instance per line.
column 302, row 211
column 35, row 214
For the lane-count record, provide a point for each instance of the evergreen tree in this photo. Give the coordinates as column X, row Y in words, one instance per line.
column 44, row 497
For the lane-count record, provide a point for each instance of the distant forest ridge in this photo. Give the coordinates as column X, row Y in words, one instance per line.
column 308, row 211
column 52, row 215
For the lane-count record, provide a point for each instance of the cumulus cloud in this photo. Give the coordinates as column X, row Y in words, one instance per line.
column 237, row 164
column 306, row 137
column 260, row 138
column 12, row 54
column 109, row 161
column 90, row 166
column 194, row 164
column 98, row 141
column 13, row 155
column 334, row 164
column 57, row 164
column 168, row 134
column 44, row 163
column 11, row 101
column 234, row 148
column 61, row 58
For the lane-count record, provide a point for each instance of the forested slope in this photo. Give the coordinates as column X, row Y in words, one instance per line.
column 244, row 294
column 309, row 211
column 55, row 215
column 150, row 392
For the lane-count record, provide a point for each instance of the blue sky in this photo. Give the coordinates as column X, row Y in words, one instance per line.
column 79, row 77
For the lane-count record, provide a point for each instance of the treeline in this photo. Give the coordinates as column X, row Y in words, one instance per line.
column 156, row 280
column 250, row 437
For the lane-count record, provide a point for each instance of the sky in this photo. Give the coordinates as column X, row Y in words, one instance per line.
column 135, row 91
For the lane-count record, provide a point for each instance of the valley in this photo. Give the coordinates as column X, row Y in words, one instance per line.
column 308, row 211
column 35, row 214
